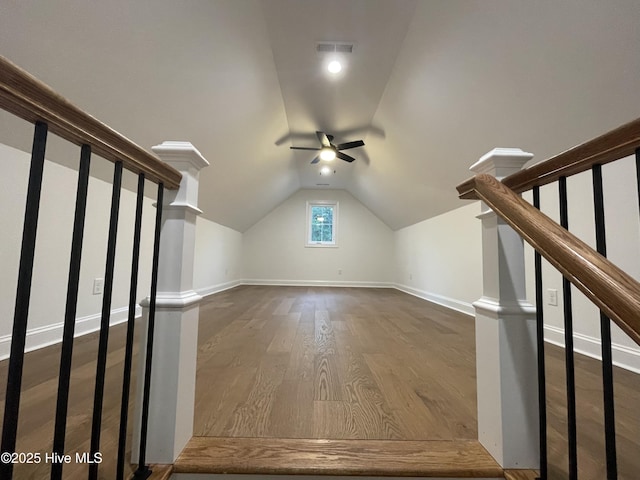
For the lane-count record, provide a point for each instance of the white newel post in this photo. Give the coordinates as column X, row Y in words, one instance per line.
column 177, row 306
column 505, row 334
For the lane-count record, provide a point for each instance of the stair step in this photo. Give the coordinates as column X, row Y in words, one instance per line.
column 521, row 474
column 278, row 456
column 160, row 472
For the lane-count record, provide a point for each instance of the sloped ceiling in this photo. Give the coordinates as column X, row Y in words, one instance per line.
column 430, row 87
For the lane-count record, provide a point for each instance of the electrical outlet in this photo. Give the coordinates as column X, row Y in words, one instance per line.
column 552, row 296
column 411, row 276
column 98, row 286
column 339, row 271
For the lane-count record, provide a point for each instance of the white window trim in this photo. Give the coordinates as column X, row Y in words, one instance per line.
column 308, row 242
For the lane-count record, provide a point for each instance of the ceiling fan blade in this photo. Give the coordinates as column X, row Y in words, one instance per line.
column 323, row 139
column 345, row 157
column 348, row 145
column 304, row 148
column 315, row 160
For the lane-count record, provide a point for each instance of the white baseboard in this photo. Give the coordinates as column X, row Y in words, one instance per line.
column 623, row 356
column 316, row 283
column 206, row 291
column 448, row 302
column 51, row 334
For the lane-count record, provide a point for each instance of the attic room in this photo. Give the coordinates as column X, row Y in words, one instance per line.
column 317, row 300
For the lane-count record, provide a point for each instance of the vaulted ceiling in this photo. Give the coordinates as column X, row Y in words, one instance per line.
column 431, row 85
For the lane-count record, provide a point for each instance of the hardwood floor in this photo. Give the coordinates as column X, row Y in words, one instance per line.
column 376, row 364
column 332, row 363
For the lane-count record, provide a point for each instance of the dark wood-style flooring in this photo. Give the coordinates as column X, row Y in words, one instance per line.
column 326, row 363
column 333, row 363
column 348, row 363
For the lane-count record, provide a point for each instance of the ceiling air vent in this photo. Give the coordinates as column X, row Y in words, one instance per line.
column 344, row 48
column 333, row 47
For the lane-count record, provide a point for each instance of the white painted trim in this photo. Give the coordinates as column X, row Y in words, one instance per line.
column 315, row 283
column 493, row 308
column 169, row 300
column 221, row 287
column 41, row 337
column 623, row 356
column 452, row 303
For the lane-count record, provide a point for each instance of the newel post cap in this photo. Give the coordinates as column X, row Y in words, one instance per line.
column 185, row 158
column 501, row 162
column 180, row 155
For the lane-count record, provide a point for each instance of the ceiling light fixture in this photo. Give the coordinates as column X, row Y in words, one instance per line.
column 334, row 66
column 327, row 153
column 325, row 170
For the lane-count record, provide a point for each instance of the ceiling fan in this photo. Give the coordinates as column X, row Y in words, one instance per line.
column 329, row 151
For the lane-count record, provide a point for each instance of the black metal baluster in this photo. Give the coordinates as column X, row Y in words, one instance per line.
column 605, row 333
column 542, row 383
column 70, row 311
column 133, row 290
column 104, row 322
column 568, row 338
column 23, row 294
column 143, row 471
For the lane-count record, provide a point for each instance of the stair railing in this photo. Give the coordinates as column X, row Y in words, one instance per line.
column 615, row 292
column 26, row 97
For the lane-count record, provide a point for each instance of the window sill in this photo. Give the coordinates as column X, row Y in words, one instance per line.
column 321, row 245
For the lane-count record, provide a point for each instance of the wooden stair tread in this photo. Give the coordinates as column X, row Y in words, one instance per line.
column 458, row 459
column 160, row 472
column 521, row 474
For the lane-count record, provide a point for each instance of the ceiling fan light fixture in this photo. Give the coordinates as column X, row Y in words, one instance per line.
column 327, row 153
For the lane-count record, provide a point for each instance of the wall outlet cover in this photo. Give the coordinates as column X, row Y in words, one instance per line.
column 98, row 286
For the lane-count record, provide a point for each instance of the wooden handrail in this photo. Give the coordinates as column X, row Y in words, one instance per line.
column 30, row 99
column 614, row 145
column 612, row 290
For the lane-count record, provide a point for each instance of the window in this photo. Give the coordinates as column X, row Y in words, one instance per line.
column 322, row 221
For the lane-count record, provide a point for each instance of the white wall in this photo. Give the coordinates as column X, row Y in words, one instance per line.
column 218, row 257
column 440, row 259
column 53, row 245
column 274, row 248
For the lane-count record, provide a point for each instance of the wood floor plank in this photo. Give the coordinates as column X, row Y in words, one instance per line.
column 325, row 341
column 220, row 396
column 521, row 474
column 302, row 358
column 418, row 420
column 251, row 418
column 334, row 419
column 327, row 382
column 371, row 413
column 284, row 306
column 336, row 457
column 292, row 418
column 285, row 335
